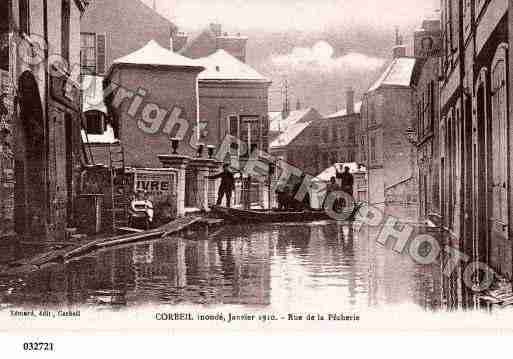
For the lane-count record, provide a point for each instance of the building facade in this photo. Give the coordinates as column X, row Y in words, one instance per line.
column 233, row 100
column 475, row 153
column 314, row 143
column 387, row 114
column 427, row 49
column 111, row 29
column 41, row 154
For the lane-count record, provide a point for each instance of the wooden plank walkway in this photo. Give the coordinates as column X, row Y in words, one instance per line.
column 74, row 250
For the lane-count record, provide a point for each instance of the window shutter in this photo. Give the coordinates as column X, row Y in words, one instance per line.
column 101, row 59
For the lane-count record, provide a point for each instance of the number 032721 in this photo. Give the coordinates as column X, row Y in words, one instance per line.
column 34, row 346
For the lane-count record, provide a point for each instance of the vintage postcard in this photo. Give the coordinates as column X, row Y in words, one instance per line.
column 255, row 166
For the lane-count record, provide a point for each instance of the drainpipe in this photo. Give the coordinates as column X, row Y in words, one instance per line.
column 46, row 115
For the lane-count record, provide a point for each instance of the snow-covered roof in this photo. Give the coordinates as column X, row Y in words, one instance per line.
column 342, row 113
column 154, row 54
column 278, row 123
column 398, row 73
column 105, row 138
column 326, row 175
column 223, row 66
column 285, row 138
column 92, row 94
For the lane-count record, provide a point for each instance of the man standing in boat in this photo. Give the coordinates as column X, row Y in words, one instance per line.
column 347, row 181
column 227, row 185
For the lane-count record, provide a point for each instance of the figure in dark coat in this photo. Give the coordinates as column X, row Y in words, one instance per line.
column 227, row 185
column 347, row 181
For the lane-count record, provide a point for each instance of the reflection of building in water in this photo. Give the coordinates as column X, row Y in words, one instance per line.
column 246, row 269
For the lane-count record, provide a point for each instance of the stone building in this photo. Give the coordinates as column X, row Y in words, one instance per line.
column 320, row 142
column 475, row 154
column 387, row 113
column 111, row 29
column 286, row 129
column 233, row 100
column 41, row 155
column 427, row 50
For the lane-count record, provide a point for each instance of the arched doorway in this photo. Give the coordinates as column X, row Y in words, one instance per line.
column 30, row 191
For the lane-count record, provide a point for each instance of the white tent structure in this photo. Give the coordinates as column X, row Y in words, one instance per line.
column 326, row 175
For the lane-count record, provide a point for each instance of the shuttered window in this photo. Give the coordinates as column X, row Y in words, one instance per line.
column 500, row 138
column 25, row 16
column 88, row 53
column 65, row 29
column 93, row 53
column 100, row 54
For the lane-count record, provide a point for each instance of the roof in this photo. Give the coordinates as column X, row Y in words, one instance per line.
column 398, row 73
column 342, row 113
column 277, row 123
column 223, row 66
column 92, row 94
column 285, row 138
column 154, row 54
column 326, row 175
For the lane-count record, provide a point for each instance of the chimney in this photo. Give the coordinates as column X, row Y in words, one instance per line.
column 399, row 50
column 216, row 28
column 178, row 40
column 349, row 101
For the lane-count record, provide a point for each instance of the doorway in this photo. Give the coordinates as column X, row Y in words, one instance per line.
column 30, row 189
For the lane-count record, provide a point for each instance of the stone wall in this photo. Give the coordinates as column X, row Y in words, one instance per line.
column 6, row 155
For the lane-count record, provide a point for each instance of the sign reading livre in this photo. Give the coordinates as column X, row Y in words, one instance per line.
column 158, row 185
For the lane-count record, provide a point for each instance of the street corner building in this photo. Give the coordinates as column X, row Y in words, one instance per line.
column 40, row 151
column 165, row 100
column 387, row 113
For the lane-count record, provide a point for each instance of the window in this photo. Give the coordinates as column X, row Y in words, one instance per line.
column 373, row 149
column 25, row 16
column 342, row 134
column 333, row 158
column 372, row 113
column 93, row 53
column 65, row 29
column 326, row 134
column 88, row 53
column 334, row 137
column 100, row 55
column 351, row 156
column 95, row 123
column 4, row 36
column 432, row 108
column 500, row 146
column 351, row 133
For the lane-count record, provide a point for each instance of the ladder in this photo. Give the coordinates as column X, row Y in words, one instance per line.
column 119, row 187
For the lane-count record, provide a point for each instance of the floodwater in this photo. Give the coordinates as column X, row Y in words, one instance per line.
column 321, row 266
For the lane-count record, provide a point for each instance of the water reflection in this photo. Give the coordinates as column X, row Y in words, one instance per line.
column 320, row 266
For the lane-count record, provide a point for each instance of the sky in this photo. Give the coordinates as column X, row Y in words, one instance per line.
column 319, row 47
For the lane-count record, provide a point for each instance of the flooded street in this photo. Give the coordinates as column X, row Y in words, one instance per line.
column 321, row 266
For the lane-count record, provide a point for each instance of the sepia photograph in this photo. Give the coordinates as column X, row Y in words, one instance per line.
column 341, row 166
